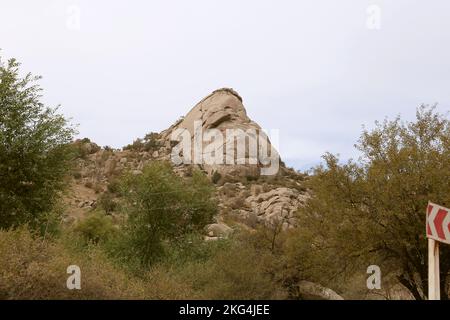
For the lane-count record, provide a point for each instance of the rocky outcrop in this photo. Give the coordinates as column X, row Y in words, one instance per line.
column 277, row 205
column 217, row 231
column 223, row 111
column 313, row 291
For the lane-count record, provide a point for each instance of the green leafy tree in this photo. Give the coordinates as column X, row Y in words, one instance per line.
column 373, row 211
column 34, row 150
column 163, row 208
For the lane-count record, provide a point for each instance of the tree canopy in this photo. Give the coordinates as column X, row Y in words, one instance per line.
column 372, row 211
column 34, row 149
column 164, row 207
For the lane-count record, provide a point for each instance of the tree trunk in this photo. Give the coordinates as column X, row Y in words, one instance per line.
column 412, row 287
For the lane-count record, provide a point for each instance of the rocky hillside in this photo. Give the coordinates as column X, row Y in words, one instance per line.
column 245, row 195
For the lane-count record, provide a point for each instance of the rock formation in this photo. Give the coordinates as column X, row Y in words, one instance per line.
column 243, row 192
column 312, row 291
column 223, row 115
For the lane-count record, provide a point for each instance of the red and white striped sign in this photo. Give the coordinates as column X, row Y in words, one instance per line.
column 438, row 223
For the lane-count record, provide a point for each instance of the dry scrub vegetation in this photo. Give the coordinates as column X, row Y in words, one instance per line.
column 32, row 267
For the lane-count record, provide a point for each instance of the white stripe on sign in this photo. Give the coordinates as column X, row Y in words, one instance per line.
column 446, row 225
column 431, row 218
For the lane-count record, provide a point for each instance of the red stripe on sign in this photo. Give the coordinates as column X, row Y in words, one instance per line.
column 429, row 208
column 438, row 222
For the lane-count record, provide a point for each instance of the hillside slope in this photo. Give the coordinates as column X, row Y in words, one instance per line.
column 245, row 195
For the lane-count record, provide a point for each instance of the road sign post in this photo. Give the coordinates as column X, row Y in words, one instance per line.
column 434, row 292
column 438, row 230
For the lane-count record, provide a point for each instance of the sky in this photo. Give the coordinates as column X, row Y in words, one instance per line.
column 315, row 70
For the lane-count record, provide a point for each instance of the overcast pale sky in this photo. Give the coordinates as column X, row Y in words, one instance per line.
column 316, row 70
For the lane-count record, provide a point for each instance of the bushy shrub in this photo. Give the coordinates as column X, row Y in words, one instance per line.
column 216, row 176
column 149, row 143
column 107, row 202
column 114, row 186
column 84, row 147
column 137, row 145
column 95, row 227
column 163, row 207
column 236, row 270
column 239, row 274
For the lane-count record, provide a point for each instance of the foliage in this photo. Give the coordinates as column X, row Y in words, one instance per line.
column 237, row 272
column 241, row 267
column 216, row 176
column 84, row 147
column 34, row 150
column 34, row 268
column 107, row 202
column 149, row 143
column 163, row 207
column 114, row 186
column 95, row 228
column 373, row 211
